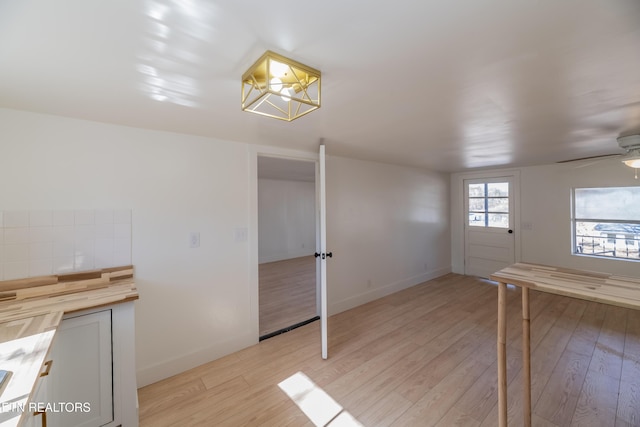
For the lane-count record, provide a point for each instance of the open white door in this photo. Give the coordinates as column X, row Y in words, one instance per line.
column 322, row 255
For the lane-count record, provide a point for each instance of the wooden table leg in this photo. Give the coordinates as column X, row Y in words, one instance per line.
column 526, row 358
column 502, row 354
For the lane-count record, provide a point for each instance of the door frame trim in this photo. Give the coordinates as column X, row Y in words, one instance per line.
column 255, row 151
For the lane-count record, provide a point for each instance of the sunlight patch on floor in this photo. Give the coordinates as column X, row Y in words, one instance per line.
column 316, row 404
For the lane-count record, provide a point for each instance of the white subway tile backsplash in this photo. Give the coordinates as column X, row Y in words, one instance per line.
column 15, row 253
column 62, row 264
column 121, row 259
column 43, row 242
column 40, row 234
column 85, row 217
column 64, row 233
column 40, row 251
column 104, row 231
column 14, row 236
column 104, row 247
column 84, row 247
column 122, row 231
column 62, row 218
column 40, row 218
column 84, row 262
column 64, row 249
column 104, row 253
column 122, row 249
column 122, row 216
column 104, row 262
column 41, row 267
column 16, row 270
column 104, row 216
column 85, row 232
column 13, row 219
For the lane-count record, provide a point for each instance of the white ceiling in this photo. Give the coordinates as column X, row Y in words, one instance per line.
column 447, row 85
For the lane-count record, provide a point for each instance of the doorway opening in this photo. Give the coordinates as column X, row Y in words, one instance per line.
column 287, row 239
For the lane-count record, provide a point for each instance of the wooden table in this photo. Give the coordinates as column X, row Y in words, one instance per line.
column 591, row 286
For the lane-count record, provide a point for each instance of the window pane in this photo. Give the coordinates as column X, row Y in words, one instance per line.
column 498, row 189
column 499, row 220
column 619, row 203
column 476, row 190
column 476, row 205
column 498, row 205
column 610, row 239
column 476, row 219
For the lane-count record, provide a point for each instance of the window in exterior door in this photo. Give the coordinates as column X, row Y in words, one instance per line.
column 606, row 222
column 489, row 204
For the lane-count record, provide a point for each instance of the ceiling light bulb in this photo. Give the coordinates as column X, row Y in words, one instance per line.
column 278, row 69
column 633, row 163
column 632, row 158
column 286, row 94
column 275, row 84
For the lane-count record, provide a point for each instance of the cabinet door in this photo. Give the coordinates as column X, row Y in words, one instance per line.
column 40, row 396
column 81, row 381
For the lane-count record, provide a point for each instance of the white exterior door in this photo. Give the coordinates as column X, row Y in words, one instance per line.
column 489, row 225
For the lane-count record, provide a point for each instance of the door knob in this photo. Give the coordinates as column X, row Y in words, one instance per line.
column 510, row 231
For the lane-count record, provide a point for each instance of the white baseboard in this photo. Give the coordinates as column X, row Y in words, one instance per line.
column 363, row 298
column 176, row 365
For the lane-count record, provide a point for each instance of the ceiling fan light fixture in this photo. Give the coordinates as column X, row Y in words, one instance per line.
column 632, row 158
column 631, row 143
column 279, row 87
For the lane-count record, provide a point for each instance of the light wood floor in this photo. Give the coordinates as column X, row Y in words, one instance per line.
column 422, row 357
column 287, row 293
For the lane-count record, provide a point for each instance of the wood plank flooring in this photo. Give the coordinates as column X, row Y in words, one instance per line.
column 425, row 356
column 287, row 292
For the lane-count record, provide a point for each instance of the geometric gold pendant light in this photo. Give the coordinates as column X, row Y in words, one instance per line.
column 279, row 87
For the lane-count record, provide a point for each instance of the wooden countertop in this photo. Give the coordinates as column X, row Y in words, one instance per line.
column 30, row 312
column 600, row 287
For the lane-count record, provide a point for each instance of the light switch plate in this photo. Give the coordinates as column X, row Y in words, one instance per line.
column 241, row 234
column 194, row 239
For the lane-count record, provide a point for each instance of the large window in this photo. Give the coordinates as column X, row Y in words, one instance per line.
column 489, row 204
column 606, row 222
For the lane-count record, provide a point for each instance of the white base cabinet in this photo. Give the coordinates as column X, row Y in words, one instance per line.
column 92, row 380
column 37, row 419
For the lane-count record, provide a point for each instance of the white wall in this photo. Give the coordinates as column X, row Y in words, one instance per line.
column 387, row 225
column 388, row 229
column 194, row 303
column 545, row 203
column 286, row 219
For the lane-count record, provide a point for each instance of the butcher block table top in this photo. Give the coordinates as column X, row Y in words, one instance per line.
column 31, row 311
column 588, row 285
